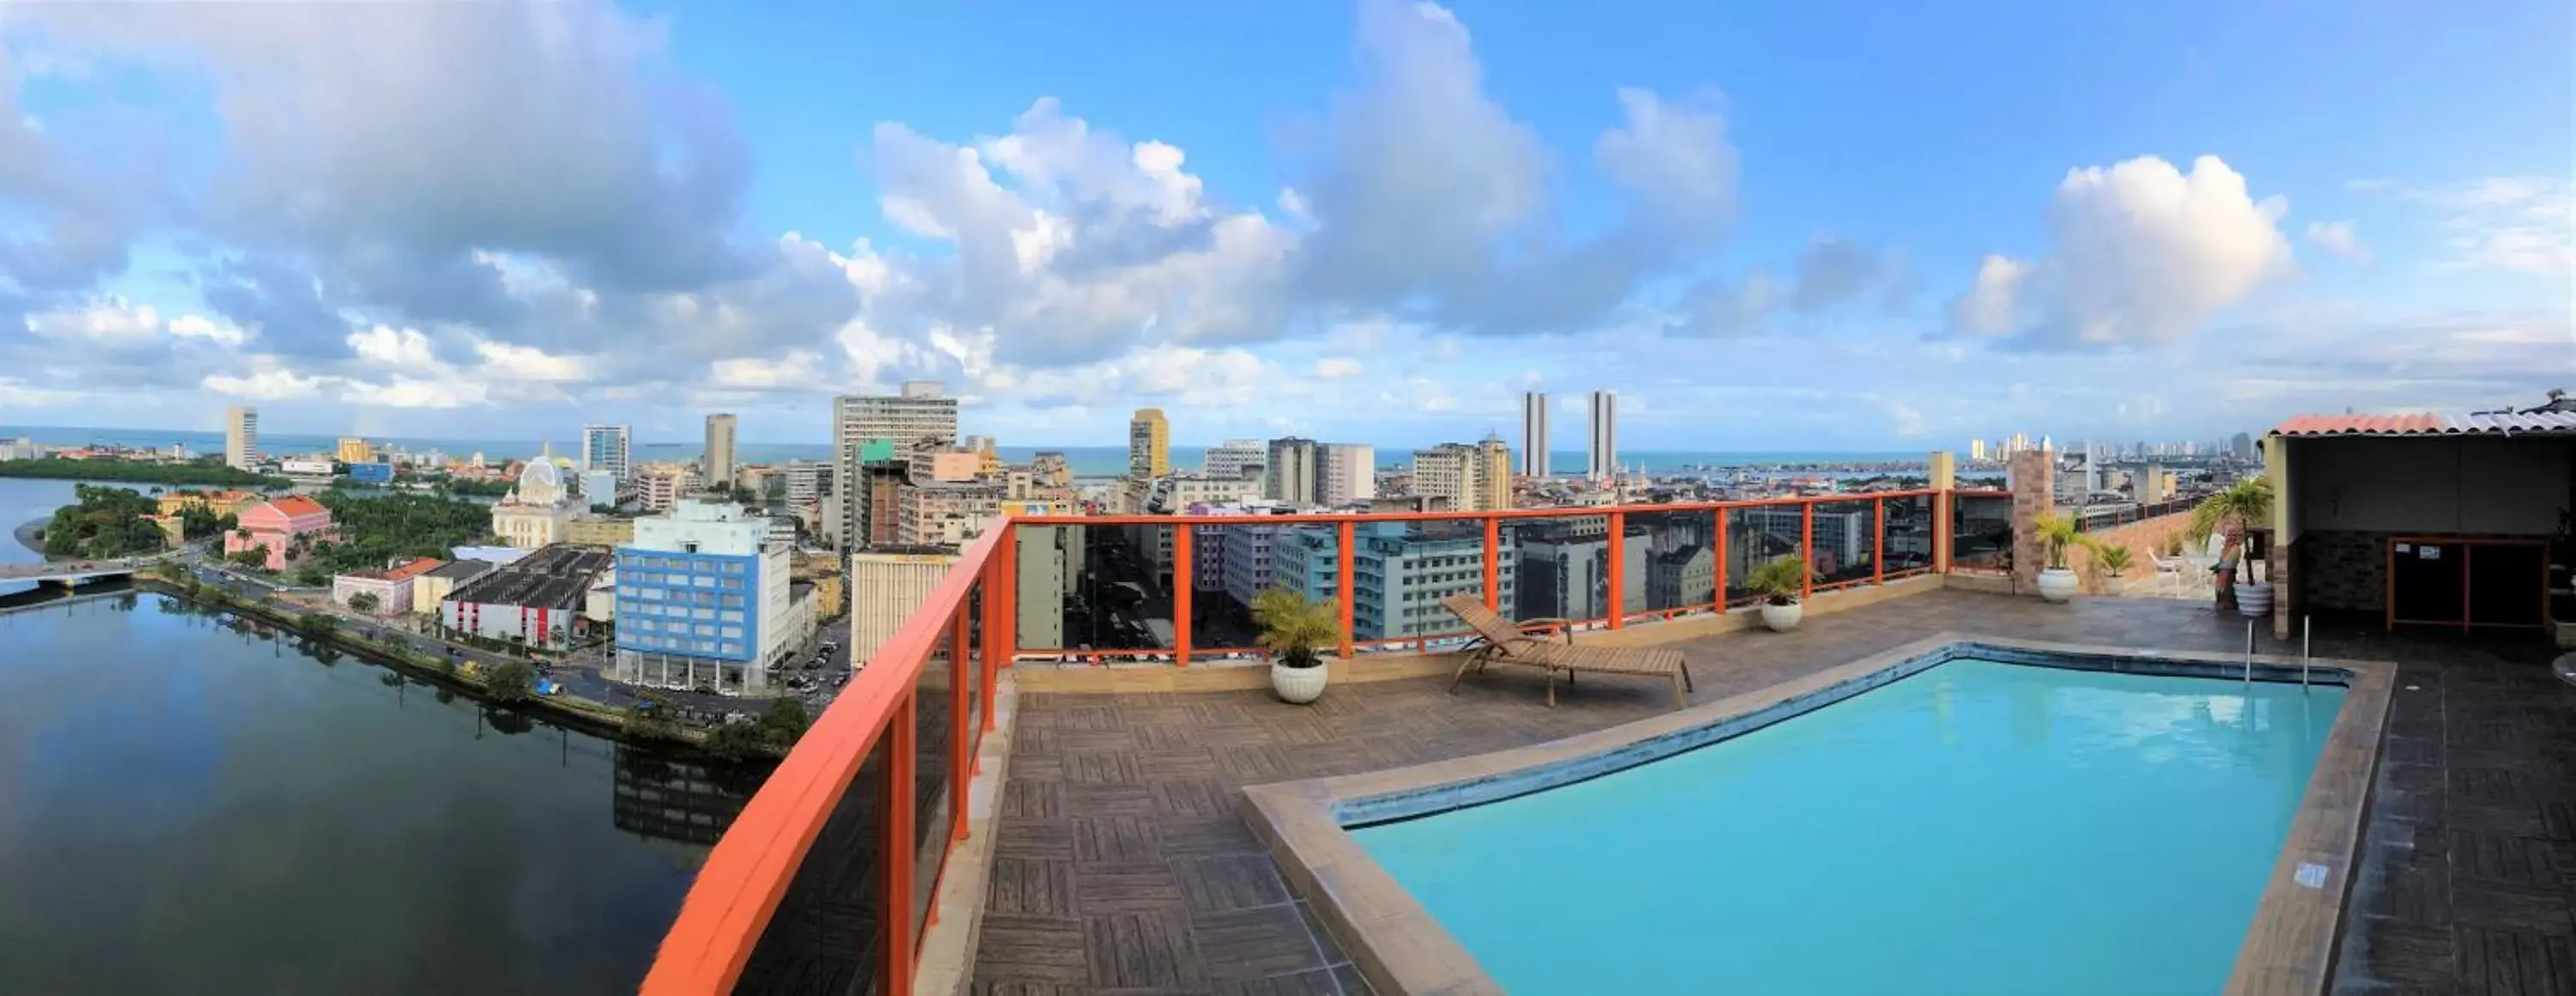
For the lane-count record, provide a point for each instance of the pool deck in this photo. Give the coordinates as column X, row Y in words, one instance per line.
column 1124, row 865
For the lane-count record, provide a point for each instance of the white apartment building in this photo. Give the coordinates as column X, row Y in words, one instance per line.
column 1470, row 478
column 1441, row 472
column 1291, row 474
column 1243, row 561
column 659, row 489
column 1534, row 441
column 1346, row 473
column 704, row 590
column 917, row 415
column 885, row 590
column 1604, row 449
column 945, row 514
column 1237, row 458
column 607, row 448
column 806, row 482
column 717, row 462
column 1049, row 567
column 1177, row 492
column 241, row 437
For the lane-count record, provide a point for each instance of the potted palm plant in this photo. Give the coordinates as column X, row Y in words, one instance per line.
column 2112, row 561
column 2229, row 513
column 1780, row 583
column 1294, row 627
column 2056, row 533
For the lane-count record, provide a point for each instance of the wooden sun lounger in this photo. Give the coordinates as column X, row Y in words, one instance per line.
column 1501, row 641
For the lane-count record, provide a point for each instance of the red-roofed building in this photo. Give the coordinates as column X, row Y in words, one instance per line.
column 275, row 526
column 391, row 587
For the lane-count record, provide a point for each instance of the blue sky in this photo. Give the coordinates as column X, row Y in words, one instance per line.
column 1810, row 226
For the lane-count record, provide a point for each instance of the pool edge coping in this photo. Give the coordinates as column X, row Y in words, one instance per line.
column 1401, row 949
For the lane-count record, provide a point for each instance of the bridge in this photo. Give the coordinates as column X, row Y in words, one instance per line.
column 73, row 572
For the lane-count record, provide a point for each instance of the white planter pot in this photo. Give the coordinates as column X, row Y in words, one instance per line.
column 2114, row 584
column 1782, row 618
column 1298, row 685
column 2254, row 600
column 2057, row 584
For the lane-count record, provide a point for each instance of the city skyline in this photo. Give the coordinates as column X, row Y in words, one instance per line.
column 2164, row 229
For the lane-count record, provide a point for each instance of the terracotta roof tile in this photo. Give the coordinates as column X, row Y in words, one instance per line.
column 2360, row 425
column 298, row 505
column 414, row 569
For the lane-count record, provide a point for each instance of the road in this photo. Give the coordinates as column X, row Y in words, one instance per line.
column 578, row 671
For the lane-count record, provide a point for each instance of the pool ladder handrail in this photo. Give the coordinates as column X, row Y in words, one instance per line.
column 2307, row 644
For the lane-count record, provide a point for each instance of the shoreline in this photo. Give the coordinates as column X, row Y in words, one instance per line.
column 588, row 717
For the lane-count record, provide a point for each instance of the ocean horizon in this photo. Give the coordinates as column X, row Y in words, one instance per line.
column 1087, row 461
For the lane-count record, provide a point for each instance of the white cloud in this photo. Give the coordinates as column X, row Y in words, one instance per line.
column 1336, row 368
column 530, row 363
column 2513, row 224
column 267, row 382
column 2338, row 238
column 112, row 322
column 2140, row 254
column 400, row 349
column 16, row 393
column 1431, row 198
column 1993, row 304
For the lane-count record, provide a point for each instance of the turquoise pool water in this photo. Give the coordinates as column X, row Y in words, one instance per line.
column 1979, row 827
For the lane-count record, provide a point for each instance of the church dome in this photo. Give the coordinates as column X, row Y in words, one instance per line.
column 541, row 484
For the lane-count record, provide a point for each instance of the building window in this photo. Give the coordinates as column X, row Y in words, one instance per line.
column 733, row 567
column 729, row 616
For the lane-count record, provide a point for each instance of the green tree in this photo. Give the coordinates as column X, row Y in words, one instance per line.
column 375, row 529
column 652, row 717
column 736, row 741
column 253, row 559
column 203, row 471
column 2229, row 513
column 783, row 722
column 316, row 622
column 364, row 601
column 512, row 681
column 103, row 522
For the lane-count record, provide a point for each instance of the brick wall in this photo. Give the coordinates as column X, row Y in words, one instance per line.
column 2341, row 571
column 2034, row 493
column 2140, row 537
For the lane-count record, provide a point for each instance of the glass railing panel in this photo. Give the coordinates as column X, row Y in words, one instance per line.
column 933, row 772
column 1671, row 561
column 1231, row 564
column 1845, row 537
column 1045, row 576
column 1561, row 567
column 1757, row 535
column 1910, row 534
column 1981, row 533
column 827, row 936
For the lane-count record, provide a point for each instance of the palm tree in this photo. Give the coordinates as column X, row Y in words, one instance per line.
column 2055, row 534
column 2229, row 513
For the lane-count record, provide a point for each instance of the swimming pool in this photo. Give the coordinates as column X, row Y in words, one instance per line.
column 1962, row 825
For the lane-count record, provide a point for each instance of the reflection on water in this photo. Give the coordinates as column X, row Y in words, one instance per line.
column 195, row 802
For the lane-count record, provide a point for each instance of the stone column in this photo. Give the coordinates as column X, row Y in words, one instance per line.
column 1942, row 476
column 2034, row 494
column 2278, row 561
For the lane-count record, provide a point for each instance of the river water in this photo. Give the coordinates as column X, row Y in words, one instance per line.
column 190, row 806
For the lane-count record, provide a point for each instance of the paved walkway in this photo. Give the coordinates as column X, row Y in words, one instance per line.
column 1122, row 864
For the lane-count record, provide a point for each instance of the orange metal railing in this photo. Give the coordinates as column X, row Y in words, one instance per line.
column 726, row 927
column 817, row 881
